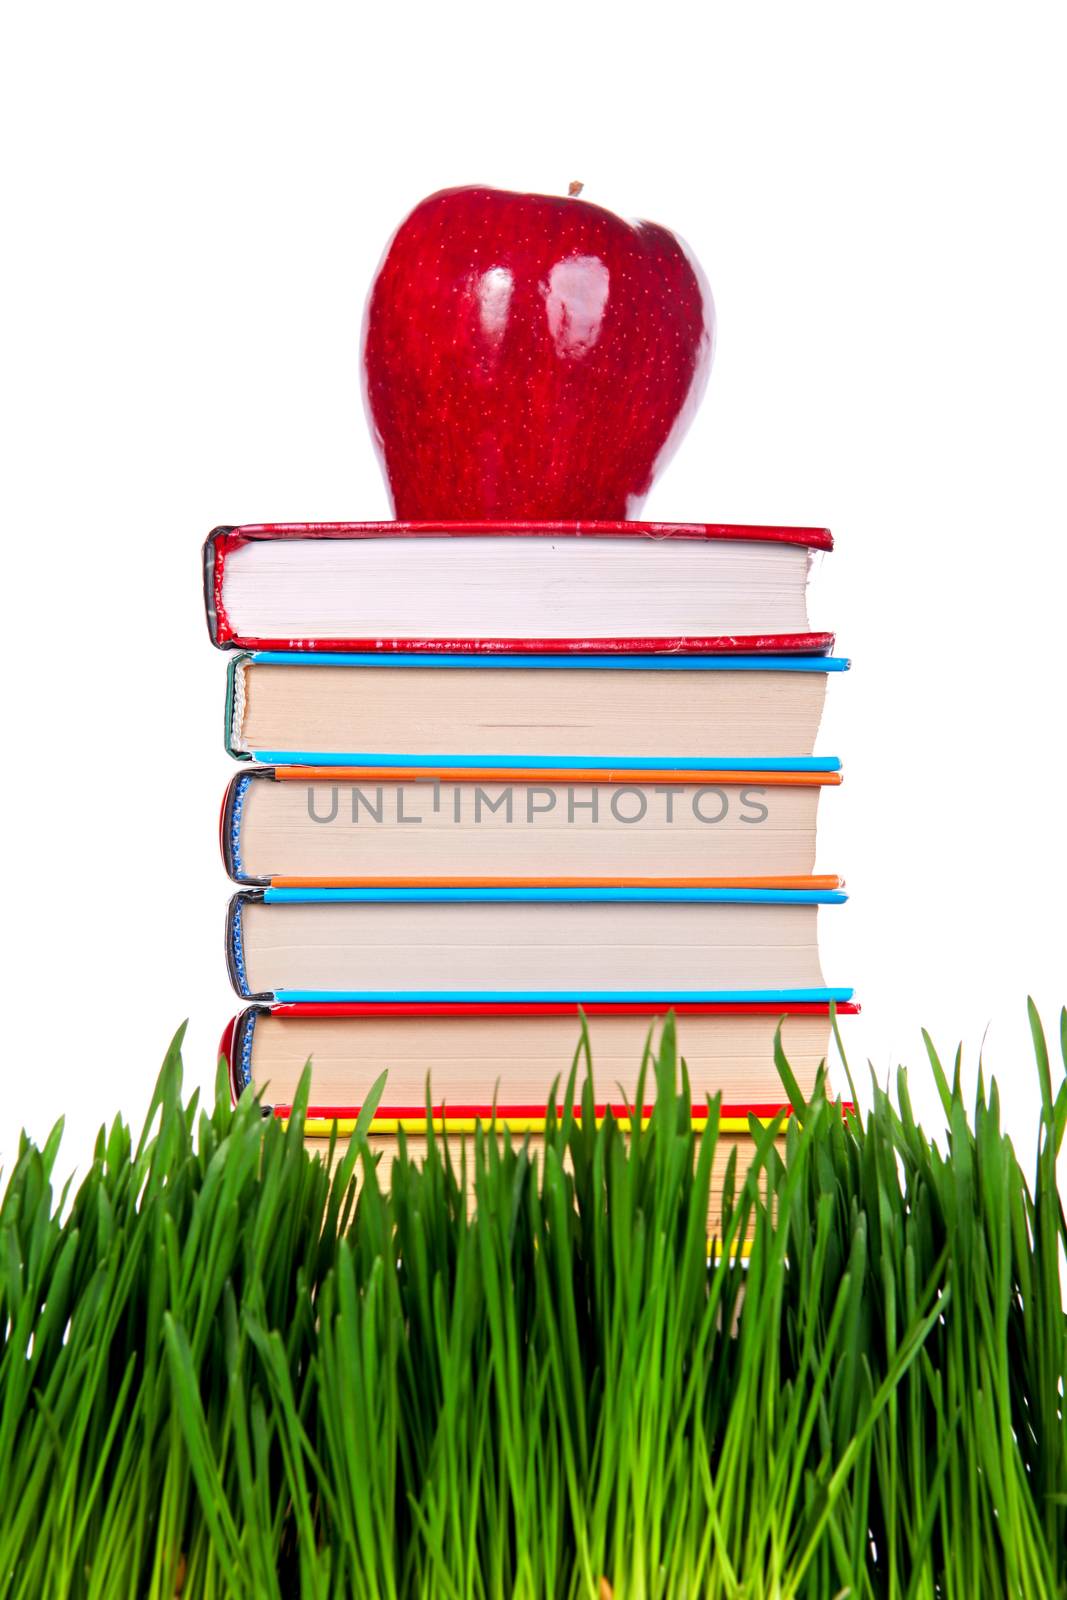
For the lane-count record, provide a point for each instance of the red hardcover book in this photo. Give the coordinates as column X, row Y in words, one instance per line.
column 523, row 587
column 493, row 1067
column 481, row 1055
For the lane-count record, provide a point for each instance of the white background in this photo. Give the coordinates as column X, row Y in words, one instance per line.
column 195, row 199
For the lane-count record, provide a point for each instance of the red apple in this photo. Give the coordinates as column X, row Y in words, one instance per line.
column 528, row 356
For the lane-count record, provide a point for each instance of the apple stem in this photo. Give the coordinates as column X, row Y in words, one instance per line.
column 575, row 188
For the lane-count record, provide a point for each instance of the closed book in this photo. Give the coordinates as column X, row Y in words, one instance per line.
column 341, row 826
column 512, row 586
column 471, row 1056
column 711, row 712
column 491, row 1067
column 452, row 943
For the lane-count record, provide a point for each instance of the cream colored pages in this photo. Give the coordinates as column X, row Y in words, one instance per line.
column 530, row 946
column 515, row 711
column 514, row 1060
column 526, row 830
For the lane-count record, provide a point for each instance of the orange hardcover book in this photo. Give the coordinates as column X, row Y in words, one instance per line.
column 373, row 826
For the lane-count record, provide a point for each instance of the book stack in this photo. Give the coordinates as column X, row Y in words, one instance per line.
column 497, row 776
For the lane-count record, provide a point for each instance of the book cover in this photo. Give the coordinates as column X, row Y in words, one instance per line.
column 395, row 826
column 432, row 944
column 348, row 709
column 238, row 1039
column 227, row 632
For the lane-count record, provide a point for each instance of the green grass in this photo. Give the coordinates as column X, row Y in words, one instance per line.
column 223, row 1374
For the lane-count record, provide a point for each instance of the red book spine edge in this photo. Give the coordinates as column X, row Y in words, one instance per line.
column 602, row 1008
column 227, row 537
column 212, row 559
column 819, row 644
column 486, row 1111
column 227, row 1053
column 232, row 1040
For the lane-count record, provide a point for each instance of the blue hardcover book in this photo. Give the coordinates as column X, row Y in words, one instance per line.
column 740, row 713
column 542, row 944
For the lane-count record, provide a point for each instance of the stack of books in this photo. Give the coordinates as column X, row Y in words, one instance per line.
column 497, row 776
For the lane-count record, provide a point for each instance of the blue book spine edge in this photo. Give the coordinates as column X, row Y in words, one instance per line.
column 657, row 997
column 537, row 894
column 393, row 758
column 569, row 663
